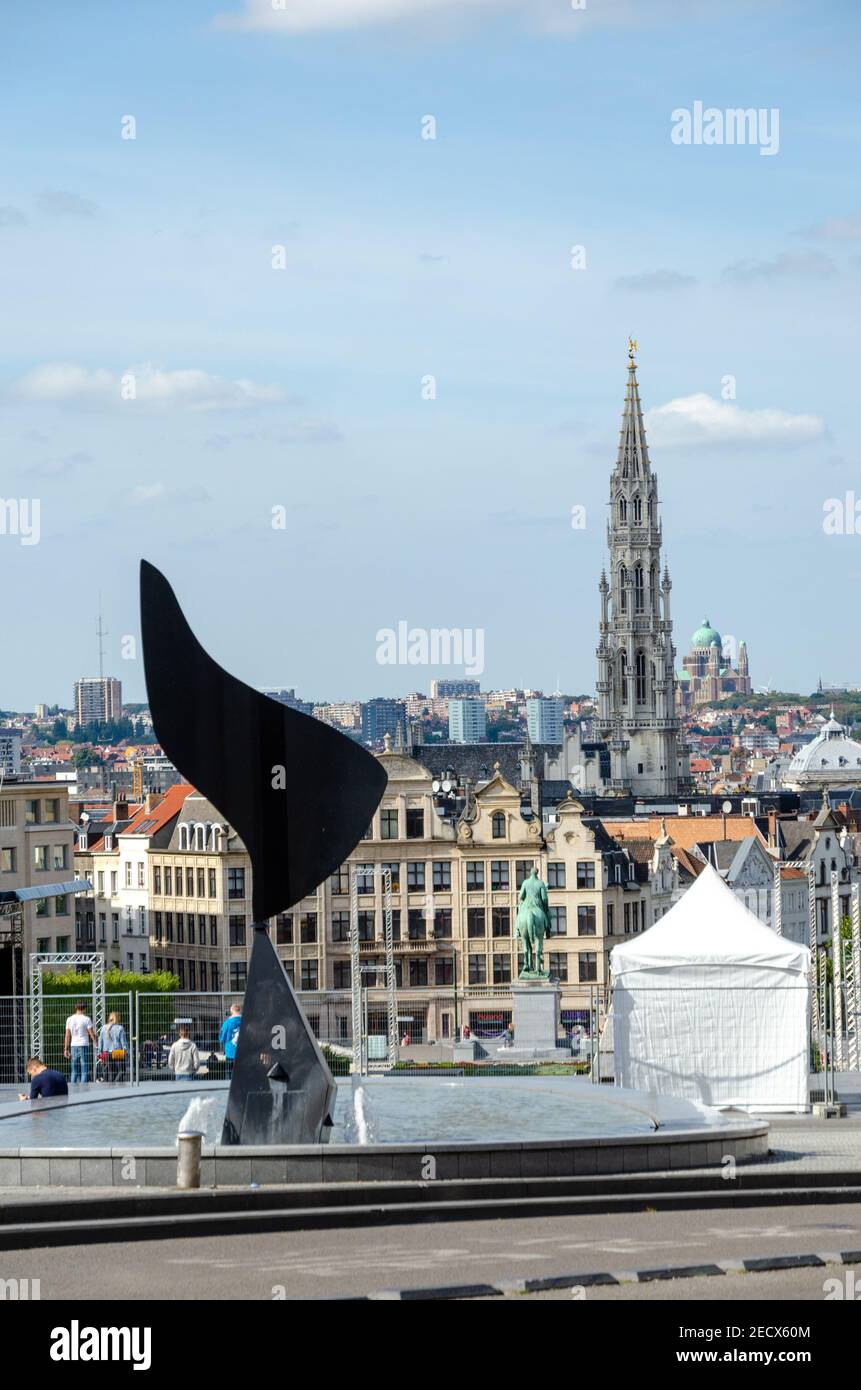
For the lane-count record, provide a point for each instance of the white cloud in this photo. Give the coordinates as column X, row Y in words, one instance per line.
column 147, row 493
column 655, row 281
column 700, row 419
column 789, row 265
column 59, row 203
column 558, row 16
column 143, row 384
column 839, row 228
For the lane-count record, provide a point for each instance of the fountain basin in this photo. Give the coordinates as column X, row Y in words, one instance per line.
column 419, row 1127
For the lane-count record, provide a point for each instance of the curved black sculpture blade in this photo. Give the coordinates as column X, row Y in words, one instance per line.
column 300, row 794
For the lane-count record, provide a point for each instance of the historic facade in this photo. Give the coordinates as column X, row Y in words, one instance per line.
column 637, row 717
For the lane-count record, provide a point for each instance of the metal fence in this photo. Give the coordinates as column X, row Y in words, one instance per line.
column 429, row 1026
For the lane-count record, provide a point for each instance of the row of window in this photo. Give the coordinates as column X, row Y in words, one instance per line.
column 197, row 883
column 495, row 874
column 45, row 857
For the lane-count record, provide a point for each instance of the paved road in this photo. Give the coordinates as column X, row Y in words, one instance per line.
column 315, row 1264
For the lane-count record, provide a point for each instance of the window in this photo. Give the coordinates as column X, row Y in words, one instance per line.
column 236, row 930
column 238, row 975
column 640, row 674
column 159, row 926
column 236, row 883
column 180, row 926
column 340, row 926
column 477, row 970
column 556, row 875
column 585, row 873
column 558, row 921
column 365, row 878
column 396, row 924
column 40, row 857
column 100, row 883
column 588, row 967
column 201, row 883
column 498, row 825
column 213, row 891
column 61, row 906
column 156, row 879
column 502, row 969
column 586, row 920
column 418, row 974
column 192, row 975
column 115, row 927
column 7, row 861
column 309, row 974
column 179, row 881
column 341, row 974
column 499, row 874
column 442, row 923
column 558, row 965
column 415, row 824
column 114, row 882
column 444, row 970
column 340, row 880
column 500, row 921
column 62, row 944
column 43, row 945
column 31, row 813
column 395, row 872
column 610, row 923
column 415, row 877
column 213, row 938
column 416, row 924
column 191, row 940
column 308, row 929
column 627, row 912
column 475, row 921
column 388, row 825
column 367, row 925
column 522, row 870
column 202, row 975
column 168, row 881
column 52, row 810
column 103, row 929
column 474, row 874
column 442, row 875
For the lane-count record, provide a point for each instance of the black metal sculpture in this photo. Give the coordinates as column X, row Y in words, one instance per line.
column 300, row 795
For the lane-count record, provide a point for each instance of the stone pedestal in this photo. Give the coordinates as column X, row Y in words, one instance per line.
column 536, row 1022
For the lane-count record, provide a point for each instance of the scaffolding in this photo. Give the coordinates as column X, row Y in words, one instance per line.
column 361, row 1060
column 92, row 960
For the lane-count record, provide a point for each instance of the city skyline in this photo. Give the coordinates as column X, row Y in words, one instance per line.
column 298, row 396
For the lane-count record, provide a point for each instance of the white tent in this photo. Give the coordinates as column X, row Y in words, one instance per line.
column 710, row 1005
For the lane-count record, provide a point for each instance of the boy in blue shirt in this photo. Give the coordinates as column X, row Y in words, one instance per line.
column 229, row 1035
column 44, row 1082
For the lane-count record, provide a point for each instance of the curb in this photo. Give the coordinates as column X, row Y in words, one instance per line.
column 506, row 1287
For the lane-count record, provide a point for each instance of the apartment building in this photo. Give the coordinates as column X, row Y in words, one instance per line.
column 37, row 842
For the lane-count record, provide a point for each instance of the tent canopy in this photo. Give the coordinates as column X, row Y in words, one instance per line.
column 710, row 925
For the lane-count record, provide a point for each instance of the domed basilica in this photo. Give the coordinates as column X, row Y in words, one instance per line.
column 708, row 672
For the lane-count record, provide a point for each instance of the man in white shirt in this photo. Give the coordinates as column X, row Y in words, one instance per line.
column 79, row 1035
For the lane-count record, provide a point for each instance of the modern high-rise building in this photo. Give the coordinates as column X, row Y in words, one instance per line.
column 454, row 689
column 382, row 716
column 98, row 699
column 10, row 752
column 467, row 721
column 544, row 719
column 636, row 681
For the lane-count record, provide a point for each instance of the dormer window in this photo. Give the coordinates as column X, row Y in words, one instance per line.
column 498, row 825
column 183, row 836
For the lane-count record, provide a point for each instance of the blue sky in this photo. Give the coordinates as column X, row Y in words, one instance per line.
column 302, row 387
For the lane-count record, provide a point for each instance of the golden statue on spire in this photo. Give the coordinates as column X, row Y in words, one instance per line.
column 632, row 348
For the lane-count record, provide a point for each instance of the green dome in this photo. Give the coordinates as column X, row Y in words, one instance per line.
column 706, row 636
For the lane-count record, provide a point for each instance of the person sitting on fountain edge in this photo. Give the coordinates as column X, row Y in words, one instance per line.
column 43, row 1081
column 229, row 1035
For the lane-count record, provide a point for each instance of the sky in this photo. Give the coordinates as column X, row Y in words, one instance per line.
column 338, row 339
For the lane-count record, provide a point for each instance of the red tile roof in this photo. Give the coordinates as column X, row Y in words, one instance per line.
column 155, row 819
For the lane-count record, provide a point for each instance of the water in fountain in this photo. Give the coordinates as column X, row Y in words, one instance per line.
column 361, row 1131
column 197, row 1117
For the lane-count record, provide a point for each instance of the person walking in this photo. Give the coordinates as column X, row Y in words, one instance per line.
column 44, row 1082
column 113, row 1048
column 229, row 1035
column 184, row 1058
column 79, row 1036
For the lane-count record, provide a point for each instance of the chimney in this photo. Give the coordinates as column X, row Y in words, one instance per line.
column 772, row 827
column 151, row 800
column 121, row 810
